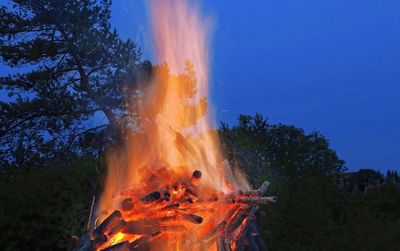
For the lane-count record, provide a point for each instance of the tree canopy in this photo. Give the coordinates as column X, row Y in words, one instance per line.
column 72, row 66
column 279, row 151
column 314, row 210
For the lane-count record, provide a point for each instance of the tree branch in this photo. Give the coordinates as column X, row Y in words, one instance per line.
column 85, row 82
column 90, row 129
column 39, row 115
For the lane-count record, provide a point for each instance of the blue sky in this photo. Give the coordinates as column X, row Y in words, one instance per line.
column 333, row 66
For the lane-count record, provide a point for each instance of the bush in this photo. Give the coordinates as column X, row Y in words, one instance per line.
column 374, row 219
column 41, row 208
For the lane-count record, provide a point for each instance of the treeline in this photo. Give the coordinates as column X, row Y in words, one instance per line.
column 318, row 207
column 42, row 208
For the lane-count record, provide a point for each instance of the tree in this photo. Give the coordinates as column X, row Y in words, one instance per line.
column 392, row 177
column 362, row 180
column 374, row 219
column 279, row 151
column 72, row 66
column 305, row 175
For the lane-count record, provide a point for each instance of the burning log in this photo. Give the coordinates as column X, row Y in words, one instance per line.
column 231, row 212
column 142, row 241
column 112, row 220
column 211, row 199
column 248, row 235
column 137, row 227
column 178, row 190
column 259, row 242
column 193, row 218
column 222, row 226
column 223, row 244
column 148, row 226
column 252, row 193
column 153, row 196
column 187, row 200
column 237, row 220
column 204, row 210
column 191, row 192
column 123, row 246
column 216, row 231
column 117, row 228
column 170, row 209
column 240, row 236
column 171, row 206
column 99, row 241
column 197, row 174
column 127, row 204
column 166, row 194
column 196, row 177
column 174, row 228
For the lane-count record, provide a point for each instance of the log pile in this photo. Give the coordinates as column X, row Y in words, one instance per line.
column 147, row 220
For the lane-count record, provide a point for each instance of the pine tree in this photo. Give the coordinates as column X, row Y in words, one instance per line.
column 71, row 65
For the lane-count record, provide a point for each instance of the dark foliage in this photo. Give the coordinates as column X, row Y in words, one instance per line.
column 314, row 210
column 280, row 152
column 373, row 219
column 363, row 180
column 393, row 177
column 41, row 208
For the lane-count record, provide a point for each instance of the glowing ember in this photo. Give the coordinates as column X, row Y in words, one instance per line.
column 168, row 187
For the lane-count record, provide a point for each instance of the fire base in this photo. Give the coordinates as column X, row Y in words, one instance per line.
column 177, row 217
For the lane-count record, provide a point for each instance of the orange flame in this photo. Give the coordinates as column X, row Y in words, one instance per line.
column 173, row 128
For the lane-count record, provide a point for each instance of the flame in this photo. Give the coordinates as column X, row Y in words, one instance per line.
column 173, row 129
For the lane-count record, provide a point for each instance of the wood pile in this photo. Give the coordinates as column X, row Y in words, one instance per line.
column 147, row 220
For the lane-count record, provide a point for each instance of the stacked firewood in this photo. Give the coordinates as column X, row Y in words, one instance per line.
column 146, row 220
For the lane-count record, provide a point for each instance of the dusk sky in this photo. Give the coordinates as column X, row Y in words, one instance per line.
column 332, row 66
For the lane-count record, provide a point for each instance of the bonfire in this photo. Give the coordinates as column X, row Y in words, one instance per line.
column 168, row 185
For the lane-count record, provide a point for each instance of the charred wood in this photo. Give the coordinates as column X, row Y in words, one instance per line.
column 193, row 218
column 153, row 196
column 263, row 188
column 196, row 177
column 253, row 201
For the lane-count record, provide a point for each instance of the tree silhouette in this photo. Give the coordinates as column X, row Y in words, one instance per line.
column 279, row 150
column 71, row 66
column 392, row 177
column 305, row 175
